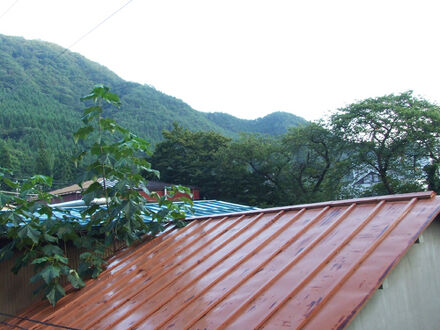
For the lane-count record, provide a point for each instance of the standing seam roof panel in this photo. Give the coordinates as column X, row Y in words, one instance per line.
column 307, row 266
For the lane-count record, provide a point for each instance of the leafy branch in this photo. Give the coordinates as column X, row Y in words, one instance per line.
column 116, row 161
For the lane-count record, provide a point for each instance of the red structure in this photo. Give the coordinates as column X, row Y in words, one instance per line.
column 161, row 189
column 74, row 192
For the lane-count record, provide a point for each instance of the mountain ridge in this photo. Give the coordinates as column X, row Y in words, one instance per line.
column 40, row 105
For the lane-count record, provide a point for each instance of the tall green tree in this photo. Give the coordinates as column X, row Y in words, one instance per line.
column 45, row 161
column 33, row 229
column 394, row 135
column 316, row 163
column 252, row 171
column 5, row 155
column 189, row 158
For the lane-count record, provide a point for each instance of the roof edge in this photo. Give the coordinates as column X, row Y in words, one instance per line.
column 365, row 200
column 349, row 319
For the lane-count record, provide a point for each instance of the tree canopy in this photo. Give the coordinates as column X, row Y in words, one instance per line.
column 394, row 136
column 39, row 102
column 188, row 158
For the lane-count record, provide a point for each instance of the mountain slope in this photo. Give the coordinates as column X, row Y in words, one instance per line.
column 273, row 124
column 40, row 105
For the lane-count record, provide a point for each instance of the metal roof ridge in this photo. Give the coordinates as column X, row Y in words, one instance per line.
column 345, row 202
column 409, row 206
column 97, row 287
column 152, row 273
column 258, row 292
column 199, row 276
column 253, row 268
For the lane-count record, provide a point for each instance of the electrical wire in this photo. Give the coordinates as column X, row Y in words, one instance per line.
column 73, row 44
column 12, row 325
column 36, row 321
column 96, row 26
column 9, row 8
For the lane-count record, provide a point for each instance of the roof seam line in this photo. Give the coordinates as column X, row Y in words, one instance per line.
column 370, row 250
column 219, row 278
column 98, row 285
column 271, row 257
column 156, row 308
column 151, row 271
column 329, row 256
column 258, row 248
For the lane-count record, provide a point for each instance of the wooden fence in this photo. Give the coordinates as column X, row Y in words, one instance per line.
column 16, row 290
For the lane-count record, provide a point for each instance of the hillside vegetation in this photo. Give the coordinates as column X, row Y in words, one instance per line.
column 40, row 107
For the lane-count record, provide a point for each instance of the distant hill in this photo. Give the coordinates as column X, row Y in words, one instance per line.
column 273, row 124
column 40, row 106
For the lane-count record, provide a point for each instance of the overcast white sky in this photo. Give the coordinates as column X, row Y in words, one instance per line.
column 250, row 58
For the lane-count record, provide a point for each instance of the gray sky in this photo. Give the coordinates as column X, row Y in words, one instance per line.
column 250, row 58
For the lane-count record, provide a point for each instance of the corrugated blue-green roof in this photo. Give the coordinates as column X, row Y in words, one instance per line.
column 200, row 208
column 211, row 207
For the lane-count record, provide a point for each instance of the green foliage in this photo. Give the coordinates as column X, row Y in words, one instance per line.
column 38, row 102
column 316, row 163
column 253, row 169
column 304, row 165
column 37, row 240
column 274, row 124
column 188, row 158
column 119, row 158
column 393, row 136
column 432, row 176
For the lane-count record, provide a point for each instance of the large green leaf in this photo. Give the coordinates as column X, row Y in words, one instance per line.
column 52, row 250
column 55, row 293
column 75, row 280
column 40, row 260
column 49, row 273
column 28, row 232
column 50, row 238
column 82, row 133
column 7, row 251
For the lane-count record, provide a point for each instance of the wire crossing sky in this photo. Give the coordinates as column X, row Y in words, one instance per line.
column 249, row 58
column 8, row 9
column 69, row 47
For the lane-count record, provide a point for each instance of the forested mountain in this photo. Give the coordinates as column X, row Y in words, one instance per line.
column 40, row 107
column 273, row 124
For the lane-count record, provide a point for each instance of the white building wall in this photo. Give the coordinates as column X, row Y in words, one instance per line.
column 410, row 298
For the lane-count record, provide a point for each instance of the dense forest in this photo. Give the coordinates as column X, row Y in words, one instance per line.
column 393, row 139
column 276, row 160
column 40, row 108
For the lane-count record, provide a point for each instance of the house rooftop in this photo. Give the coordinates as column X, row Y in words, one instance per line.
column 200, row 208
column 308, row 266
column 75, row 188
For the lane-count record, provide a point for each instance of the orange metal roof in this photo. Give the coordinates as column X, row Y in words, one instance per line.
column 308, row 266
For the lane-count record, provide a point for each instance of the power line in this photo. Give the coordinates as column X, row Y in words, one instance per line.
column 12, row 325
column 36, row 321
column 9, row 8
column 96, row 26
column 74, row 43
